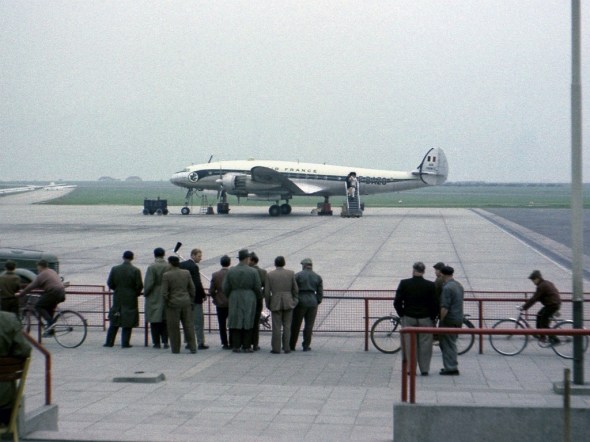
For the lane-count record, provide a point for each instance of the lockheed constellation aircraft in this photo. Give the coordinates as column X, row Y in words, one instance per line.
column 281, row 180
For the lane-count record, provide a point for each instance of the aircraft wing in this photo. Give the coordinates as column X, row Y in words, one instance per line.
column 261, row 174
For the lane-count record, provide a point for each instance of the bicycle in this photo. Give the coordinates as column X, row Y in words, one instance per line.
column 385, row 335
column 511, row 345
column 69, row 328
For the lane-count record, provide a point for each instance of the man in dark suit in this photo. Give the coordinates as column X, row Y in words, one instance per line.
column 416, row 304
column 259, row 302
column 192, row 266
column 220, row 300
column 126, row 283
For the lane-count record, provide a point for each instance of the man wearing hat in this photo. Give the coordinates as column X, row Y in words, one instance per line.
column 548, row 295
column 416, row 304
column 311, row 292
column 451, row 315
column 241, row 285
column 126, row 283
column 154, row 302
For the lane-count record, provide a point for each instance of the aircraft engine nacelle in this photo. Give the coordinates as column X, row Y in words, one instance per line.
column 241, row 184
column 228, row 181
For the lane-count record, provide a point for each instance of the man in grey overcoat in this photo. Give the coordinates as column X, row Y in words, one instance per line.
column 126, row 283
column 281, row 296
column 154, row 301
column 241, row 286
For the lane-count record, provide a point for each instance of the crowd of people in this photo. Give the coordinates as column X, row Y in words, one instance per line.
column 174, row 296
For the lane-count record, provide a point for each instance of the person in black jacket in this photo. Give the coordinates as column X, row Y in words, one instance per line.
column 416, row 304
column 200, row 296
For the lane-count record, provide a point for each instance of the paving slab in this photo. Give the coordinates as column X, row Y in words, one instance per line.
column 335, row 392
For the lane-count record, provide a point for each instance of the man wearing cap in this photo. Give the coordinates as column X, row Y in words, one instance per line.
column 126, row 283
column 281, row 297
column 54, row 293
column 548, row 295
column 311, row 292
column 259, row 302
column 9, row 286
column 416, row 304
column 451, row 315
column 241, row 285
column 178, row 291
column 154, row 302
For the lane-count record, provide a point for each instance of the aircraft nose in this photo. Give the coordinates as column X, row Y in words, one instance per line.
column 179, row 179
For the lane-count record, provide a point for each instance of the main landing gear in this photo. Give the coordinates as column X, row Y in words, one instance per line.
column 276, row 210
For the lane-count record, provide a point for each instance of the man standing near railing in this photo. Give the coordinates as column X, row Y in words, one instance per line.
column 415, row 302
column 12, row 344
column 451, row 315
column 126, row 283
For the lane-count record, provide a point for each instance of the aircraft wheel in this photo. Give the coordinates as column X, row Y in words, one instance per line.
column 285, row 209
column 185, row 210
column 274, row 210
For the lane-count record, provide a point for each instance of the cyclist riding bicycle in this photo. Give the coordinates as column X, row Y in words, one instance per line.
column 54, row 293
column 548, row 295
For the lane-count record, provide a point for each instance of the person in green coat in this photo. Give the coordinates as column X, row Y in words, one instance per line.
column 241, row 285
column 14, row 345
column 125, row 282
column 154, row 301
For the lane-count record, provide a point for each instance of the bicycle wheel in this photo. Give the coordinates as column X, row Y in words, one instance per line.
column 385, row 334
column 508, row 345
column 29, row 321
column 565, row 346
column 70, row 329
column 465, row 342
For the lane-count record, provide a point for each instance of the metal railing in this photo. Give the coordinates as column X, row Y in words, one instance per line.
column 47, row 355
column 409, row 370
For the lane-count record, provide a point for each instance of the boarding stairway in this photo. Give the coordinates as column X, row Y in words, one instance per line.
column 352, row 208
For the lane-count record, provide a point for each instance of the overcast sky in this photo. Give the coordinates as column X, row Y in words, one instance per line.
column 146, row 88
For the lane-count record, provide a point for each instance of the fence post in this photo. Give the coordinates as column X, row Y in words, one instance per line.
column 404, row 369
column 412, row 358
column 566, row 405
column 480, row 308
column 366, row 324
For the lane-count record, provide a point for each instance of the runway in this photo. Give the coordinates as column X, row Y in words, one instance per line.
column 372, row 252
column 335, row 392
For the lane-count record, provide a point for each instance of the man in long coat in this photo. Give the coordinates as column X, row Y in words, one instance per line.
column 241, row 286
column 125, row 282
column 154, row 302
column 281, row 296
column 178, row 290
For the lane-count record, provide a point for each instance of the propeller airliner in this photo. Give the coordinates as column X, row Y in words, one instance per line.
column 278, row 181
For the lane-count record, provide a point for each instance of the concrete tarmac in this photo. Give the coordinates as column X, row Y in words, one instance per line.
column 335, row 392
